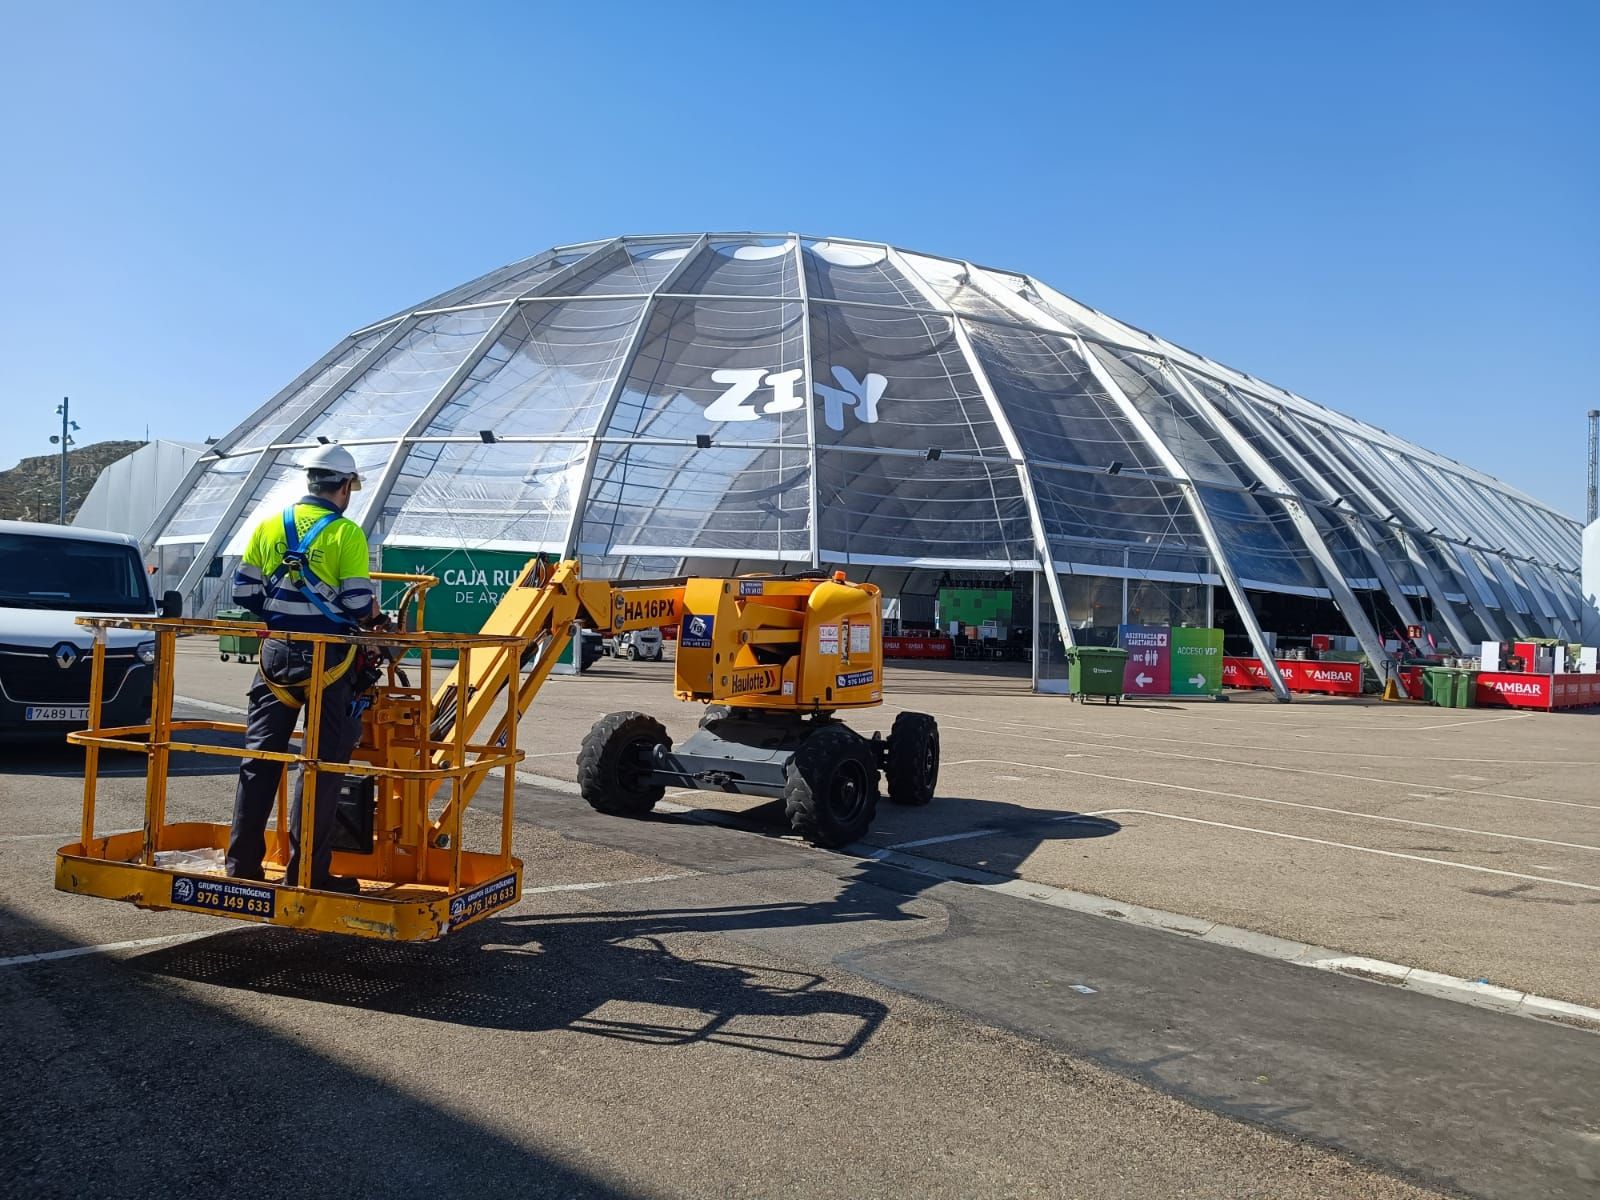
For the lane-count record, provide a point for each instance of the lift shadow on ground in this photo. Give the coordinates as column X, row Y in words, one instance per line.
column 121, row 1083
column 610, row 975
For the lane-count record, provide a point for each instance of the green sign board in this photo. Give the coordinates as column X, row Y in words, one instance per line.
column 974, row 606
column 471, row 583
column 1196, row 658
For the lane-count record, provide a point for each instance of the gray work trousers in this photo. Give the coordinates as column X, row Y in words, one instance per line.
column 268, row 727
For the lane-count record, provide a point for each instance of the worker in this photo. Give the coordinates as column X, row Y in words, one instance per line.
column 304, row 571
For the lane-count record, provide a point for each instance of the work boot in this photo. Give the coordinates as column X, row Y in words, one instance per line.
column 345, row 885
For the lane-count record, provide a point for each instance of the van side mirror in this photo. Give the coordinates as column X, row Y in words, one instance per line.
column 172, row 604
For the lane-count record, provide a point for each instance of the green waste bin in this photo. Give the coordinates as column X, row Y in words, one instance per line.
column 246, row 647
column 1450, row 687
column 1096, row 671
column 1438, row 686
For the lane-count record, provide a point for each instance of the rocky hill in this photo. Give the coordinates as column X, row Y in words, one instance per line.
column 30, row 491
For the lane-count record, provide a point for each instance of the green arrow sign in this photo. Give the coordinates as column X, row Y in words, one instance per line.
column 1196, row 661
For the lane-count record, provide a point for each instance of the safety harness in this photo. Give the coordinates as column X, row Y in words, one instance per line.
column 296, row 554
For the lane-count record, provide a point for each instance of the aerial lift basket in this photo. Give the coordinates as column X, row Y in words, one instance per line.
column 414, row 773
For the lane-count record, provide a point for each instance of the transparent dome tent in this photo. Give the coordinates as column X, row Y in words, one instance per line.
column 724, row 402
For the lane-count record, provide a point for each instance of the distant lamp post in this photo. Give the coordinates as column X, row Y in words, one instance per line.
column 68, row 427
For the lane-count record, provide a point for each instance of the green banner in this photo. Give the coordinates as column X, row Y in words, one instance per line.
column 1196, row 656
column 974, row 606
column 471, row 583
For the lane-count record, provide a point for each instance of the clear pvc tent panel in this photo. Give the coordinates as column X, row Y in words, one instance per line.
column 774, row 397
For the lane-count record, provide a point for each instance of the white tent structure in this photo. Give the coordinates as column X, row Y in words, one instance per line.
column 784, row 399
column 134, row 490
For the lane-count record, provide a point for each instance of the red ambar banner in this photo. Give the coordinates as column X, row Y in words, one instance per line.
column 1299, row 675
column 915, row 647
column 1510, row 689
column 1514, row 690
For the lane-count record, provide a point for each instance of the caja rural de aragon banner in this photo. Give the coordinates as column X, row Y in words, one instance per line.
column 471, row 583
column 1196, row 656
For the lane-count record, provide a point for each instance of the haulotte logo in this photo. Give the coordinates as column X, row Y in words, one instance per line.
column 742, row 399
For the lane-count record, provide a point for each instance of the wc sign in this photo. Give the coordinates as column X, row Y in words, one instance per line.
column 753, row 393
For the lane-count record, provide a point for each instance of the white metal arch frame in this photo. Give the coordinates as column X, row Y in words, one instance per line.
column 997, row 414
column 591, row 454
column 1327, row 565
column 1318, row 471
column 1301, row 410
column 1378, row 507
column 447, row 390
column 220, row 448
column 242, row 497
column 1401, row 504
column 1175, row 468
column 1313, row 475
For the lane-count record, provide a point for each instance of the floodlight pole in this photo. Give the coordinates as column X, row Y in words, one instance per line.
column 61, row 510
column 64, row 408
column 1594, row 465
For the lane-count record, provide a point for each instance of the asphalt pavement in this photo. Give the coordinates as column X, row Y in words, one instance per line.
column 684, row 1008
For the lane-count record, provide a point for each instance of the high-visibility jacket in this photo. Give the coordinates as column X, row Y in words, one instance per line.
column 332, row 590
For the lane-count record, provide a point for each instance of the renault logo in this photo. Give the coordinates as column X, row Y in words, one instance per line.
column 66, row 655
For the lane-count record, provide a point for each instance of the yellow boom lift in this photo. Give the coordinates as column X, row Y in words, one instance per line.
column 775, row 658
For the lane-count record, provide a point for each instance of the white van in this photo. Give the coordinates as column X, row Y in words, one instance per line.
column 638, row 644
column 49, row 576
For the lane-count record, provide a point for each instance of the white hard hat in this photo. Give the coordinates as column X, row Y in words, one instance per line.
column 331, row 460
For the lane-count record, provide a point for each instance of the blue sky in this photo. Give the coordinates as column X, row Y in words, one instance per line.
column 1387, row 208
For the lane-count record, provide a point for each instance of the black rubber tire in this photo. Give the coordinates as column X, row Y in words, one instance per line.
column 223, row 657
column 912, row 767
column 611, row 774
column 832, row 790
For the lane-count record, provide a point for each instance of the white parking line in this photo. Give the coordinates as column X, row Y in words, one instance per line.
column 170, row 939
column 949, row 837
column 609, row 883
column 1432, row 983
column 211, row 705
column 1461, row 724
column 1259, row 766
column 1296, row 837
column 1096, row 732
column 1341, row 812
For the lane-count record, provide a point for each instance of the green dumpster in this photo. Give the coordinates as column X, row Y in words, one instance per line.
column 1466, row 693
column 1438, row 686
column 1096, row 671
column 243, row 646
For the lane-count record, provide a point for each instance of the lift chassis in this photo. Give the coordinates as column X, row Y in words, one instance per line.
column 776, row 658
